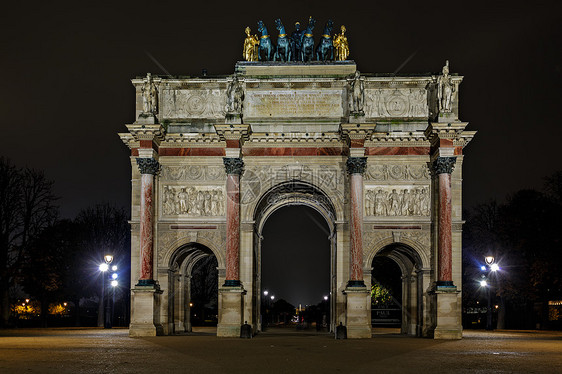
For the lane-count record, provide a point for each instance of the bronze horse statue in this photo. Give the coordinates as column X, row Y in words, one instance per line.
column 325, row 49
column 283, row 52
column 307, row 51
column 266, row 48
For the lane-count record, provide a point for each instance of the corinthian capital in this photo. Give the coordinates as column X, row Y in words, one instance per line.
column 148, row 165
column 444, row 165
column 233, row 165
column 356, row 165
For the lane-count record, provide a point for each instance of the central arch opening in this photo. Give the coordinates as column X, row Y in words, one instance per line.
column 296, row 269
column 296, row 244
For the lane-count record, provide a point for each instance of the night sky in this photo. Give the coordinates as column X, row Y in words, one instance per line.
column 66, row 71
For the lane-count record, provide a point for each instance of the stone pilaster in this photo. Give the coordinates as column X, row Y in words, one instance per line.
column 443, row 167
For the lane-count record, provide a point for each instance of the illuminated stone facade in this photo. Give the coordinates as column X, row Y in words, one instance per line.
column 382, row 164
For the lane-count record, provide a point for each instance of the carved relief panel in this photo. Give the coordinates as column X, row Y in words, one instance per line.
column 195, row 103
column 398, row 102
column 386, row 172
column 193, row 201
column 400, row 200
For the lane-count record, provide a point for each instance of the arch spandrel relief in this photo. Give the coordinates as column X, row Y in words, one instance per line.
column 256, row 180
column 418, row 240
column 169, row 241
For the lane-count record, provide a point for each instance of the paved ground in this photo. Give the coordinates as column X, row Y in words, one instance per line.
column 285, row 351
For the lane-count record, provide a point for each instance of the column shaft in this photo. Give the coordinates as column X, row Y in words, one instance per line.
column 146, row 225
column 444, row 267
column 356, row 227
column 233, row 229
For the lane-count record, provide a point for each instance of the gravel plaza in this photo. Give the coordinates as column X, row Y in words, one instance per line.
column 77, row 350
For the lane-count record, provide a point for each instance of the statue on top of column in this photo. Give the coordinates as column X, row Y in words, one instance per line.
column 341, row 46
column 445, row 89
column 357, row 94
column 251, row 44
column 149, row 95
column 234, row 97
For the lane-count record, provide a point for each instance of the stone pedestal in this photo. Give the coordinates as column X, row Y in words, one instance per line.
column 358, row 313
column 448, row 324
column 231, row 306
column 145, row 307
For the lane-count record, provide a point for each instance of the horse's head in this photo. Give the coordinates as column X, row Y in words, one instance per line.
column 261, row 26
column 329, row 26
column 278, row 24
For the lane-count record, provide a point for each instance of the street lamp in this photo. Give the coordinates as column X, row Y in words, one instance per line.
column 493, row 267
column 108, row 259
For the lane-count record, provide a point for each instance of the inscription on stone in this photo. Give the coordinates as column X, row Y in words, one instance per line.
column 293, row 103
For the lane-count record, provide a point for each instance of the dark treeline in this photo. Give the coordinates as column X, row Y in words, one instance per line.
column 51, row 260
column 524, row 235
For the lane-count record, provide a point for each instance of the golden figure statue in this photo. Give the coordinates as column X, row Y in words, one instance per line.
column 251, row 43
column 340, row 45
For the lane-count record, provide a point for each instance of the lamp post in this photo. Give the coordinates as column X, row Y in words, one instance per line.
column 108, row 259
column 114, row 284
column 490, row 268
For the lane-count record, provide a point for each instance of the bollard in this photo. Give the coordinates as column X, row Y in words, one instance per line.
column 246, row 331
column 341, row 332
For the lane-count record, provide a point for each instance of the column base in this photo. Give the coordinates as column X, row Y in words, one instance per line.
column 231, row 311
column 145, row 311
column 447, row 309
column 358, row 312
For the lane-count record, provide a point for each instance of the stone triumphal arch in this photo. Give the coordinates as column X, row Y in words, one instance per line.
column 378, row 156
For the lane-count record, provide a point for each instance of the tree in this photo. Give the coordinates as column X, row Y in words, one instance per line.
column 48, row 265
column 26, row 208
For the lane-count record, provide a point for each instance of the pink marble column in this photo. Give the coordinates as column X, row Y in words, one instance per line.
column 234, row 167
column 356, row 167
column 443, row 167
column 148, row 168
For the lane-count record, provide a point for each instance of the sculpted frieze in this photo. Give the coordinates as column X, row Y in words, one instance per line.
column 193, row 172
column 397, row 172
column 399, row 102
column 397, row 201
column 196, row 103
column 193, row 201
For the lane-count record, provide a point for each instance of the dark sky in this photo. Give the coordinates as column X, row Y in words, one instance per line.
column 66, row 70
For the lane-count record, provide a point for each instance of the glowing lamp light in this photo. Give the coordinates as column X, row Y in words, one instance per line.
column 495, row 267
column 114, row 268
column 483, row 268
column 108, row 259
column 326, row 298
column 103, row 267
column 483, row 283
column 489, row 260
column 272, row 297
column 265, row 293
column 114, row 275
column 114, row 283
